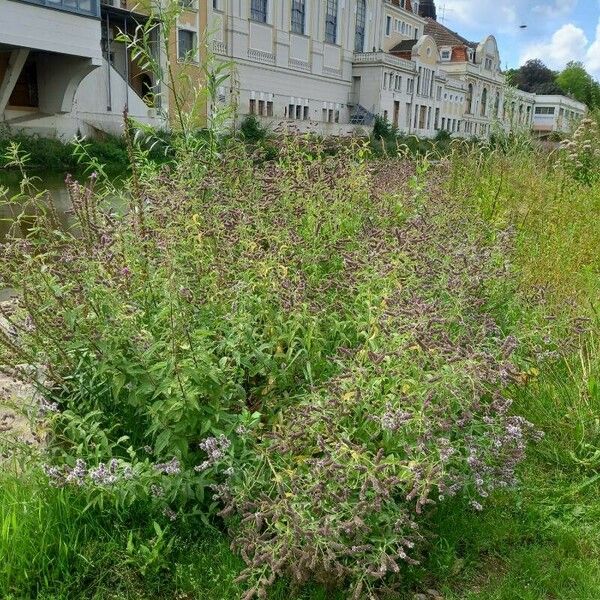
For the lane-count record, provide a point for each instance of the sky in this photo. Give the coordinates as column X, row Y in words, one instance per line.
column 557, row 32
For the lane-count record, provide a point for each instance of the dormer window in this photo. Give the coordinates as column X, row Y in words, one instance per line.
column 470, row 55
column 488, row 64
column 446, row 54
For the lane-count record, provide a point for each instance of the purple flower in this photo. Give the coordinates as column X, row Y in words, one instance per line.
column 173, row 467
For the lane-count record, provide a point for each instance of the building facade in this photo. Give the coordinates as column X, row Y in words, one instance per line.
column 325, row 66
column 76, row 76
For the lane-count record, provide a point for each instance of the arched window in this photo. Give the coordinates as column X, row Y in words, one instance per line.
column 497, row 105
column 361, row 23
column 484, row 97
column 298, row 16
column 470, row 99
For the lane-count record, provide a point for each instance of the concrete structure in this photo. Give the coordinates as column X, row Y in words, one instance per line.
column 62, row 72
column 557, row 113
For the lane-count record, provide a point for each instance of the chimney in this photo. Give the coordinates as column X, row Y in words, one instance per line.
column 427, row 9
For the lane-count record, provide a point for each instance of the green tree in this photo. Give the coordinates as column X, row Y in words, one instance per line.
column 575, row 81
column 535, row 77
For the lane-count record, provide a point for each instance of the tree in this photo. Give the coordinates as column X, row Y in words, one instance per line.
column 535, row 77
column 575, row 81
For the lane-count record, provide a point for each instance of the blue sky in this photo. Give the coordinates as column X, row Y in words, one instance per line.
column 557, row 30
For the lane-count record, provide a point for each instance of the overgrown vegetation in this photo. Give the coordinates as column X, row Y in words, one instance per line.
column 344, row 372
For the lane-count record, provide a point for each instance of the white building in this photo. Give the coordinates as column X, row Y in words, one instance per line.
column 328, row 66
column 556, row 113
column 55, row 79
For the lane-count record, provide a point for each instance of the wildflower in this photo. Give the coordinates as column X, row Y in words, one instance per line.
column 170, row 514
column 173, row 467
column 156, row 491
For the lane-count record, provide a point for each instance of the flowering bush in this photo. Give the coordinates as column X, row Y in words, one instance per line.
column 341, row 487
column 308, row 347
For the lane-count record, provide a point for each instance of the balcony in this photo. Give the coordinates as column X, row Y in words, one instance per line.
column 88, row 8
column 365, row 58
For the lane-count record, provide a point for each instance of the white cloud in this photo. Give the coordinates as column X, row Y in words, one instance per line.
column 504, row 15
column 593, row 54
column 554, row 9
column 567, row 43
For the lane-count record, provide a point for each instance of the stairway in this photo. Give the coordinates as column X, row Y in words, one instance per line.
column 362, row 116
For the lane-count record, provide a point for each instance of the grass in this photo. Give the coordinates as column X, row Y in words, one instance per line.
column 541, row 542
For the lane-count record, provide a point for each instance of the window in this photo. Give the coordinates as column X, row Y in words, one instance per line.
column 215, row 4
column 252, row 109
column 298, row 16
column 359, row 30
column 497, row 105
column 331, row 20
column 258, row 11
column 269, row 108
column 484, row 96
column 306, row 113
column 544, row 110
column 385, row 81
column 488, row 64
column 388, row 25
column 470, row 99
column 446, row 54
column 261, row 107
column 186, row 45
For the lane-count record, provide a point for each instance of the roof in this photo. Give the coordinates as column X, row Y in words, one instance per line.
column 404, row 46
column 444, row 36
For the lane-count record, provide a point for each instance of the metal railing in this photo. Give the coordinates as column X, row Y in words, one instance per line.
column 88, row 8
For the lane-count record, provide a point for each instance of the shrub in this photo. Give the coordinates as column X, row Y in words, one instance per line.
column 341, row 489
column 581, row 154
column 252, row 130
column 382, row 129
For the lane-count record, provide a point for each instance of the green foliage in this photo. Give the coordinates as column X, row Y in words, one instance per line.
column 251, row 129
column 576, row 82
column 534, row 77
column 54, row 155
column 382, row 129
